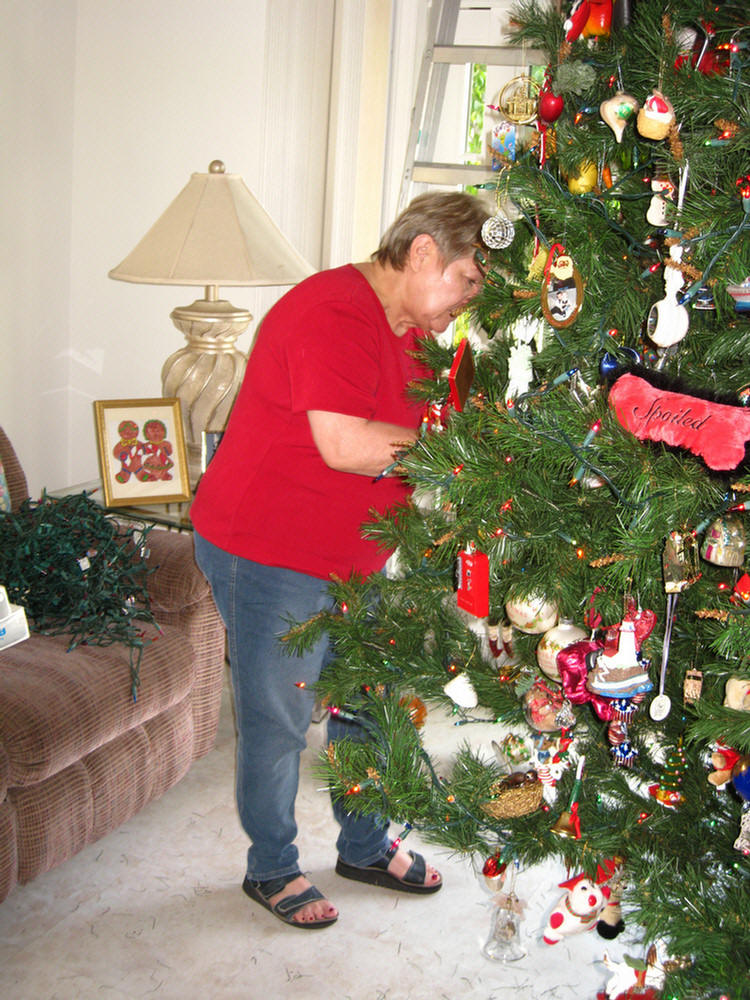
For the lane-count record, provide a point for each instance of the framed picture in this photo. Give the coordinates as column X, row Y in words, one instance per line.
column 210, row 441
column 141, row 451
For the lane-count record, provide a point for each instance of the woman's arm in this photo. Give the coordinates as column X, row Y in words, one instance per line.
column 355, row 444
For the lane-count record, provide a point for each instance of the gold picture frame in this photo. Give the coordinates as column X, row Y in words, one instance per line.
column 142, row 454
column 562, row 299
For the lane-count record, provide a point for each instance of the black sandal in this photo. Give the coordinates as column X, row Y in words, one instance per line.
column 286, row 908
column 377, row 874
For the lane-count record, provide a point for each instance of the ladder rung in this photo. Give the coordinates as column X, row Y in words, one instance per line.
column 492, row 55
column 451, row 173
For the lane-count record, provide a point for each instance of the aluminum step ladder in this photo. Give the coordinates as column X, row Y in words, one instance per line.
column 440, row 53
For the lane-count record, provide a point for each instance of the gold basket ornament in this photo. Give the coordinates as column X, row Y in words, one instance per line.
column 517, row 795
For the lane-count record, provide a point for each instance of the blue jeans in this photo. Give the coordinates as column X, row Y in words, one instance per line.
column 273, row 713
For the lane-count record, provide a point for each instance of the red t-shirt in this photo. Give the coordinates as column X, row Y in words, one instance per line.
column 268, row 495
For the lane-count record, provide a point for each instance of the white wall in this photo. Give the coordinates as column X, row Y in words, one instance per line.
column 36, row 171
column 109, row 106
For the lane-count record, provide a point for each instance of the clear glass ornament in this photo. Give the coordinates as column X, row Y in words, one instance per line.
column 504, row 942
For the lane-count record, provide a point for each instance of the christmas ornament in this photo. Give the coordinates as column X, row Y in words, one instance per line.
column 737, row 694
column 461, row 375
column 610, row 922
column 507, row 141
column 532, row 614
column 512, row 754
column 461, row 691
column 520, row 371
column 723, row 760
column 504, row 941
column 742, row 843
column 668, row 791
column 635, row 979
column 573, row 669
column 663, row 194
column 473, row 581
column 569, row 822
column 416, row 709
column 680, row 569
column 741, row 295
column 741, row 589
column 585, row 180
column 498, row 231
column 543, row 706
column 518, row 794
column 550, row 106
column 656, row 116
column 692, row 686
column 680, row 561
column 578, row 910
column 610, row 365
column 500, row 642
column 493, row 873
column 622, row 749
column 724, row 543
column 599, row 21
column 704, row 299
column 616, row 111
column 668, row 319
column 519, row 99
column 562, row 288
column 565, row 633
column 588, row 19
column 619, row 670
column 714, row 431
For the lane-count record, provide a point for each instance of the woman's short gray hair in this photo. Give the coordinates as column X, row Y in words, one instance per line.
column 452, row 218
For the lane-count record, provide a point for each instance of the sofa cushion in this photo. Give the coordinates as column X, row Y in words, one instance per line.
column 57, row 706
column 179, row 584
column 8, row 848
column 4, row 773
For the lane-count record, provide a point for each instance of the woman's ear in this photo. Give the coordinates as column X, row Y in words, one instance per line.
column 422, row 250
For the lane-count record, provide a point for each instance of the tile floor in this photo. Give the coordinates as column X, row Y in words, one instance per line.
column 155, row 910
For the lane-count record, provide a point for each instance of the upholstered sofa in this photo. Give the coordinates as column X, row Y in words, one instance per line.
column 78, row 756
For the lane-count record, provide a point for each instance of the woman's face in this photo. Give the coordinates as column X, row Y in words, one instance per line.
column 440, row 292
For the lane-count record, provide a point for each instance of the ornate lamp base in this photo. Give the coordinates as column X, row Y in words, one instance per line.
column 206, row 373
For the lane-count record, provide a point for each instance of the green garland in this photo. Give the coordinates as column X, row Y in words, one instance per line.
column 75, row 570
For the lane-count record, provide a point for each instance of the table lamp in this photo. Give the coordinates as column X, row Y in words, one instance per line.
column 214, row 233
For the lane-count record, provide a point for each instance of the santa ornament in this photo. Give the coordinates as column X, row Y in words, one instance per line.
column 656, row 117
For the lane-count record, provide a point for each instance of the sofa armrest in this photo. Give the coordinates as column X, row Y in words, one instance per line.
column 176, row 582
column 180, row 595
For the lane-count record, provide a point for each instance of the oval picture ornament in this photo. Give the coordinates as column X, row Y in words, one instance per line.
column 562, row 292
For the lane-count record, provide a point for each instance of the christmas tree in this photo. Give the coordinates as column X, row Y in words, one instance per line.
column 571, row 565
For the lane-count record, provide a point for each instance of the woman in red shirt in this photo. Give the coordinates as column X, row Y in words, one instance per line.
column 322, row 411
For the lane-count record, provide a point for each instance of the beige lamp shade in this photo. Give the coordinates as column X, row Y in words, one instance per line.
column 214, row 233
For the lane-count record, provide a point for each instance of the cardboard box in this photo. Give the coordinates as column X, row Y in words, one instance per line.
column 13, row 625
